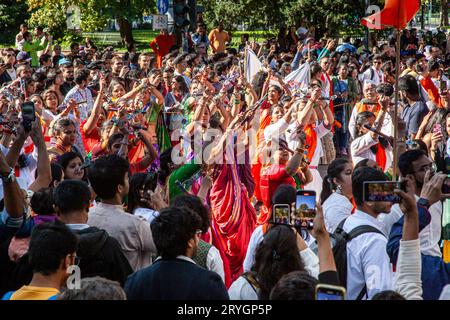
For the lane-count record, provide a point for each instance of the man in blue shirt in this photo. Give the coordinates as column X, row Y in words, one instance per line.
column 415, row 109
column 346, row 46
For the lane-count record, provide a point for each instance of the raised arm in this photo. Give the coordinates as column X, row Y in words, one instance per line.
column 91, row 122
column 12, row 195
column 43, row 163
column 150, row 153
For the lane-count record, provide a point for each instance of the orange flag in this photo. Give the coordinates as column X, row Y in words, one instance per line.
column 396, row 14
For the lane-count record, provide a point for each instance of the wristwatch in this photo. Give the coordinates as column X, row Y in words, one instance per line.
column 10, row 177
column 424, row 203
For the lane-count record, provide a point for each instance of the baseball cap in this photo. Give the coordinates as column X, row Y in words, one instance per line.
column 64, row 61
column 23, row 57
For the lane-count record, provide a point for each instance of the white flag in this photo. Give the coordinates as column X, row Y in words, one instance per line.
column 253, row 65
column 299, row 78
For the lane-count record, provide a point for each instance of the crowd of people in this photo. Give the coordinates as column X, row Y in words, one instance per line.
column 155, row 173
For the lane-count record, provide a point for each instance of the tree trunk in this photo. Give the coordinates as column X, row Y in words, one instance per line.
column 126, row 32
column 444, row 13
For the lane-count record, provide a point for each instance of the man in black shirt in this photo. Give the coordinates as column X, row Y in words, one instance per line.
column 174, row 275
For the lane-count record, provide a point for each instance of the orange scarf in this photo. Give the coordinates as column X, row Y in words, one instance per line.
column 361, row 107
column 311, row 141
column 381, row 157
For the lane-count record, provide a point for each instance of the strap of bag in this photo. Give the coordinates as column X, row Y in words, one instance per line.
column 362, row 293
column 250, row 279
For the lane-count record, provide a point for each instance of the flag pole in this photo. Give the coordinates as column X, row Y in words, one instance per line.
column 397, row 75
column 245, row 60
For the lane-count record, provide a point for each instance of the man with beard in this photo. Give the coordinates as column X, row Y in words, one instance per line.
column 415, row 164
column 67, row 71
column 174, row 275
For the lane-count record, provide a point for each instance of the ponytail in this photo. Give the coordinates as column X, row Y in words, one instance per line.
column 334, row 170
column 327, row 189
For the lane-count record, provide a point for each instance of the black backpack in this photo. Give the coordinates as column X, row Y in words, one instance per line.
column 339, row 240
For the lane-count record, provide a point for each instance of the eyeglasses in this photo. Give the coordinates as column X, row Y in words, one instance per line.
column 10, row 55
column 70, row 132
column 377, row 62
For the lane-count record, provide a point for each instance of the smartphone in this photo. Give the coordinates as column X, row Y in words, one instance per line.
column 281, row 214
column 443, row 86
column 329, row 292
column 305, row 208
column 28, row 115
column 381, row 191
column 437, row 128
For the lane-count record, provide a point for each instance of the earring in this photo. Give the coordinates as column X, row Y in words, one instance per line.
column 339, row 189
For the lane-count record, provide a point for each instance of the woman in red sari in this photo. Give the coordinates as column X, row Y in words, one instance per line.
column 234, row 217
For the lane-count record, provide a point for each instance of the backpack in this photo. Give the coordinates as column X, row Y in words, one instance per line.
column 339, row 240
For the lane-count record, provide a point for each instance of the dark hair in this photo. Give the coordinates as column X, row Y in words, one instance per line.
column 72, row 195
column 296, row 285
column 113, row 138
column 315, row 69
column 42, row 202
column 406, row 159
column 172, row 229
column 165, row 160
column 73, row 45
column 417, row 144
column 44, row 58
column 284, row 194
column 95, row 288
column 115, row 81
column 65, row 158
column 361, row 119
column 50, row 243
column 106, row 173
column 196, row 204
column 439, row 116
column 335, row 170
column 80, row 76
column 182, row 84
column 139, row 181
column 275, row 256
column 409, row 84
column 361, row 175
column 388, row 295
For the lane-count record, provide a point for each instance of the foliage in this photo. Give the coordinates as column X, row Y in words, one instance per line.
column 12, row 14
column 327, row 16
column 94, row 13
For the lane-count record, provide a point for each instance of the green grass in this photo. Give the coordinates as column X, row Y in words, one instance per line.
column 144, row 37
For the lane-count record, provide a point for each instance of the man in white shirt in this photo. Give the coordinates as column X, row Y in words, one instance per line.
column 109, row 179
column 368, row 268
column 414, row 164
column 374, row 73
column 81, row 94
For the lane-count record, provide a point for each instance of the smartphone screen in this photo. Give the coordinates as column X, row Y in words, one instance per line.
column 443, row 85
column 381, row 191
column 305, row 208
column 437, row 128
column 281, row 214
column 330, row 293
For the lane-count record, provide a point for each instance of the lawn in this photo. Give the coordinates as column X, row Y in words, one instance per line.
column 144, row 37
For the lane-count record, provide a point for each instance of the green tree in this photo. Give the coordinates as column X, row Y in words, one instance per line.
column 94, row 14
column 444, row 12
column 12, row 14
